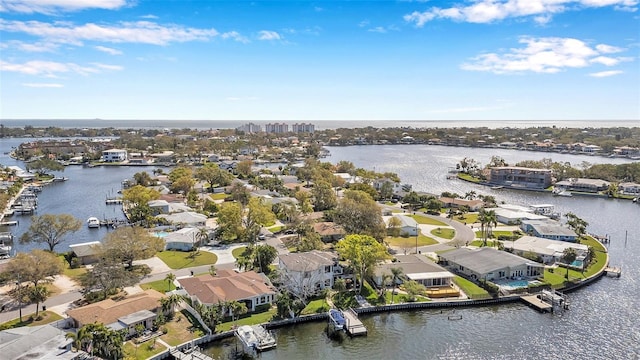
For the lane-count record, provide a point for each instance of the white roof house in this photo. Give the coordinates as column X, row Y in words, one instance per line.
column 508, row 216
column 187, row 218
column 548, row 250
column 42, row 342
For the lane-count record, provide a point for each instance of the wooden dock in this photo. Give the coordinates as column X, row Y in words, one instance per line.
column 189, row 355
column 354, row 326
column 9, row 223
column 113, row 201
column 613, row 271
column 535, row 301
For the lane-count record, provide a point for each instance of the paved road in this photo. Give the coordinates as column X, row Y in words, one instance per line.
column 12, row 312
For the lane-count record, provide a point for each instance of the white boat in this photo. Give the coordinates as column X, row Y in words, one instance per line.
column 93, row 222
column 336, row 321
column 255, row 338
column 562, row 192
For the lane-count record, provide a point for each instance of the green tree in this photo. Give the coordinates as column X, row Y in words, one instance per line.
column 240, row 193
column 35, row 267
column 180, row 172
column 413, row 289
column 324, row 198
column 131, row 243
column 214, row 176
column 170, row 278
column 396, row 275
column 136, row 201
column 182, row 185
column 142, row 178
column 44, row 164
column 244, row 168
column 394, row 226
column 230, row 221
column 487, row 218
column 258, row 214
column 358, row 213
column 50, row 229
column 576, row 224
column 386, row 190
column 362, row 252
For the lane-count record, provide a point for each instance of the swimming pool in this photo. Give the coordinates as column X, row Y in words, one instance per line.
column 577, row 263
column 161, row 234
column 516, row 284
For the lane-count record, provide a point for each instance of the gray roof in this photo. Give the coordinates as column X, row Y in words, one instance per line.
column 484, row 260
column 307, row 261
column 550, row 228
column 86, row 249
column 137, row 317
column 184, row 235
column 34, row 343
column 544, row 246
column 187, row 217
column 407, row 221
column 411, row 264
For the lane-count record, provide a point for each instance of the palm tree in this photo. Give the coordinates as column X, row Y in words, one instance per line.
column 487, row 219
column 568, row 257
column 237, row 308
column 170, row 278
column 37, row 295
column 396, row 274
column 470, row 195
column 212, row 270
column 386, row 281
column 169, row 304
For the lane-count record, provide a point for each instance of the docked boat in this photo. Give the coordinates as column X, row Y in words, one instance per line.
column 336, row 321
column 562, row 192
column 93, row 222
column 6, row 237
column 5, row 251
column 255, row 338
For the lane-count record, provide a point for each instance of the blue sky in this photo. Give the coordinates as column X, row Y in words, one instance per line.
column 320, row 60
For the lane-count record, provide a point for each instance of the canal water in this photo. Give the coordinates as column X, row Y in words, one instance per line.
column 603, row 322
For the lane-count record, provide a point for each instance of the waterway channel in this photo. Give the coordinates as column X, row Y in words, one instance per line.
column 602, row 323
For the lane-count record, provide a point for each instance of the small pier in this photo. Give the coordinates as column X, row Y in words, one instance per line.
column 113, row 201
column 354, row 326
column 613, row 271
column 24, row 210
column 189, row 354
column 113, row 222
column 547, row 301
column 9, row 223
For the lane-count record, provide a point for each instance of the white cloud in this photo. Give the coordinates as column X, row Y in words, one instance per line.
column 363, row 23
column 43, row 85
column 378, row 29
column 149, row 16
column 144, row 32
column 52, row 68
column 107, row 66
column 108, row 50
column 235, row 36
column 488, row 11
column 606, row 73
column 542, row 55
column 268, row 35
column 54, row 6
column 608, row 49
column 29, row 47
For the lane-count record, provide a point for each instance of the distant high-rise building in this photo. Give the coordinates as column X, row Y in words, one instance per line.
column 276, row 128
column 303, row 128
column 250, row 128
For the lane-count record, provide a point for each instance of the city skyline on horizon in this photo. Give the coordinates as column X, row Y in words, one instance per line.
column 304, row 61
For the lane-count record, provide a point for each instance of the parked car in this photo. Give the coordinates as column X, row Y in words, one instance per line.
column 262, row 237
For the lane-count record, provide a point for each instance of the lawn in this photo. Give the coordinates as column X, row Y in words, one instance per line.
column 161, row 286
column 47, row 317
column 409, row 242
column 275, row 229
column 472, row 290
column 254, row 319
column 182, row 259
column 427, row 220
column 467, row 177
column 180, row 330
column 316, row 307
column 144, row 350
column 497, row 233
column 444, row 233
column 237, row 252
column 479, row 243
column 468, row 218
column 220, row 196
column 74, row 274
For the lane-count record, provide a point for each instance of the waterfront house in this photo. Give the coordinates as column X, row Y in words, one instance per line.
column 185, row 239
column 548, row 251
column 87, row 253
column 329, row 231
column 583, row 185
column 516, row 176
column 189, row 218
column 629, row 188
column 309, row 272
column 141, row 308
column 251, row 288
column 437, row 280
column 455, row 203
column 512, row 216
column 114, row 155
column 548, row 229
column 161, row 206
column 42, row 342
column 490, row 264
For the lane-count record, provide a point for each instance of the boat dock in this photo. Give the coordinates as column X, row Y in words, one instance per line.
column 113, row 201
column 354, row 326
column 613, row 271
column 189, row 355
column 8, row 223
column 547, row 301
